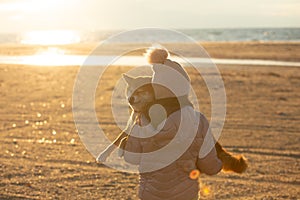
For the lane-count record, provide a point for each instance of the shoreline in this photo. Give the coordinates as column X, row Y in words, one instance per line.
column 285, row 51
column 114, row 60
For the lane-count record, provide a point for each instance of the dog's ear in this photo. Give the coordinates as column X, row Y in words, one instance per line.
column 128, row 79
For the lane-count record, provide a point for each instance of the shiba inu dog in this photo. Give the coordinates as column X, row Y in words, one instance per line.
column 140, row 95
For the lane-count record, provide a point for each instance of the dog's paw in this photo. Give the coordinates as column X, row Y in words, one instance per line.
column 242, row 165
column 102, row 157
column 237, row 164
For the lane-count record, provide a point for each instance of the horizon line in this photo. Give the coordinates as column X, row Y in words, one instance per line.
column 124, row 29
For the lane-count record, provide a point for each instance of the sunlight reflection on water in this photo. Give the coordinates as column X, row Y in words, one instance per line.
column 54, row 56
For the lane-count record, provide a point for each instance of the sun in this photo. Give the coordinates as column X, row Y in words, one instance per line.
column 51, row 37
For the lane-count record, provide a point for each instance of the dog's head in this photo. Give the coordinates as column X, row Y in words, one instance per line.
column 139, row 92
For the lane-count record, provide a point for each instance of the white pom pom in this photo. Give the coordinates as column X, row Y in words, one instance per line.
column 157, row 55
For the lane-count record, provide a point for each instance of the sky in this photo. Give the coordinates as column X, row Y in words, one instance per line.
column 28, row 15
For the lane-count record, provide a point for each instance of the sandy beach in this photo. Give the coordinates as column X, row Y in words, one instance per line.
column 42, row 156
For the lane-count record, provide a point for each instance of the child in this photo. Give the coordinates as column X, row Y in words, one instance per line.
column 167, row 151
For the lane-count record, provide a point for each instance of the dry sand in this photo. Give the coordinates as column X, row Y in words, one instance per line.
column 42, row 156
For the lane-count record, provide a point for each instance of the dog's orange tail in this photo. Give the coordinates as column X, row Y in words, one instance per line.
column 230, row 162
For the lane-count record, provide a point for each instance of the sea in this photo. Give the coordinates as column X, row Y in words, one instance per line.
column 60, row 37
column 219, row 35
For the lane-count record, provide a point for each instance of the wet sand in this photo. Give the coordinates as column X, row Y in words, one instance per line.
column 43, row 158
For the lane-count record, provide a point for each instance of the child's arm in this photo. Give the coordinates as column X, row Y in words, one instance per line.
column 210, row 164
column 208, row 161
column 230, row 162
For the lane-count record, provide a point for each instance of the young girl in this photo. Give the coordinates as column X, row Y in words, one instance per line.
column 167, row 149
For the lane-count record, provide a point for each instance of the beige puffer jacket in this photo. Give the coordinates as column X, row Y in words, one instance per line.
column 171, row 182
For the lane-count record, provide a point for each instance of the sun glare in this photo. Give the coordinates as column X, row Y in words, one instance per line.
column 52, row 56
column 52, row 37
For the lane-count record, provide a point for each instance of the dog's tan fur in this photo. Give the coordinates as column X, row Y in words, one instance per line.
column 143, row 95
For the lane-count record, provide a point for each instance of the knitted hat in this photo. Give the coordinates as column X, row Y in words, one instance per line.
column 169, row 78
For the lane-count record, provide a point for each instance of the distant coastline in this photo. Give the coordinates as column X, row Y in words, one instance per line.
column 202, row 35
